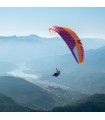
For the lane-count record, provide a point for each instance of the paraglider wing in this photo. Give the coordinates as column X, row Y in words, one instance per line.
column 72, row 41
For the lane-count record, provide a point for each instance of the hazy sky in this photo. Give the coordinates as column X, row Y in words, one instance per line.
column 86, row 22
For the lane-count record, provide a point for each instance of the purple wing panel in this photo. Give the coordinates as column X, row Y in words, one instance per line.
column 67, row 38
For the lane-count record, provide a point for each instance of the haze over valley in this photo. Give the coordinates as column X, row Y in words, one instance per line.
column 28, row 62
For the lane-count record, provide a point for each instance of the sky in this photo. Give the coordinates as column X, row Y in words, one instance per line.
column 86, row 22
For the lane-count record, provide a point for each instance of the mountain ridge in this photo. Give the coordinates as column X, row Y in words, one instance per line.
column 94, row 103
column 35, row 97
column 7, row 104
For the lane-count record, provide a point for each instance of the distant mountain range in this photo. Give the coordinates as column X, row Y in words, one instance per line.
column 19, row 49
column 93, row 43
column 94, row 103
column 89, row 43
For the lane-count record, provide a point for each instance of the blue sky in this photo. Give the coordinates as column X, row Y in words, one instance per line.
column 86, row 22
